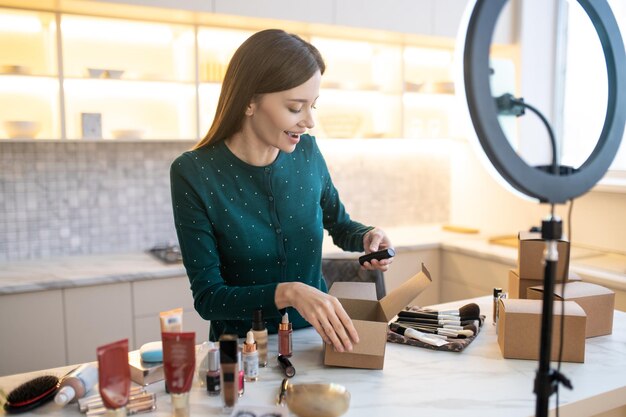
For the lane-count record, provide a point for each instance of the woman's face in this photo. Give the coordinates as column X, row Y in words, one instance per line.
column 278, row 119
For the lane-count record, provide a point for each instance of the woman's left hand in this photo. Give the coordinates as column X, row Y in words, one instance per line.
column 373, row 241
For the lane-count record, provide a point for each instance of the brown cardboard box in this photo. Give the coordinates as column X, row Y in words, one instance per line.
column 597, row 301
column 518, row 287
column 370, row 318
column 519, row 330
column 530, row 256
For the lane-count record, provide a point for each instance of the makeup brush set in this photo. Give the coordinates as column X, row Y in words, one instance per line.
column 449, row 330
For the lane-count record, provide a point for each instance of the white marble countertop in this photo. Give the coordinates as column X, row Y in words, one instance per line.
column 415, row 381
column 74, row 271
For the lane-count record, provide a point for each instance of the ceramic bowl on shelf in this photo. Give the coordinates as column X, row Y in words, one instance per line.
column 127, row 133
column 21, row 129
column 113, row 74
column 95, row 72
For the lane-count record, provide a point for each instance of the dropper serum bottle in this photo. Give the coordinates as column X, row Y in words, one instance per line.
column 250, row 358
column 260, row 336
column 285, row 347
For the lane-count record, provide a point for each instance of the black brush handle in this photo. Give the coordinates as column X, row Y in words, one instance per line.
column 378, row 255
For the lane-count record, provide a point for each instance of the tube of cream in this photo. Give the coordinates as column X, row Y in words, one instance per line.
column 179, row 360
column 114, row 377
column 171, row 320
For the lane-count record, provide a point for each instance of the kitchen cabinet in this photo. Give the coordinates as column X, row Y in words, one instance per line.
column 320, row 11
column 466, row 276
column 408, row 16
column 407, row 263
column 29, row 83
column 153, row 296
column 138, row 76
column 94, row 316
column 33, row 331
column 69, row 324
column 80, row 76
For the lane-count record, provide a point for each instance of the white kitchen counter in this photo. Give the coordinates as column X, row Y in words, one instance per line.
column 75, row 271
column 415, row 381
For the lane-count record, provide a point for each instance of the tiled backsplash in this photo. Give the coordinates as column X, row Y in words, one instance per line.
column 98, row 197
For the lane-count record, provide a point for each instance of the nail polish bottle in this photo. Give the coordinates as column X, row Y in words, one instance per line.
column 250, row 358
column 229, row 370
column 213, row 373
column 496, row 292
column 285, row 347
column 260, row 336
column 240, row 374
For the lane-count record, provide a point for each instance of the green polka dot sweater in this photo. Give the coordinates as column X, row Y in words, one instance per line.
column 243, row 229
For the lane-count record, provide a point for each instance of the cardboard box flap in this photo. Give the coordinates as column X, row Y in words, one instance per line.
column 399, row 298
column 576, row 290
column 354, row 290
column 521, row 306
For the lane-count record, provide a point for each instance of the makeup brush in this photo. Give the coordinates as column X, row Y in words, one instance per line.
column 31, row 394
column 443, row 326
column 435, row 321
column 462, row 333
column 430, row 339
column 470, row 310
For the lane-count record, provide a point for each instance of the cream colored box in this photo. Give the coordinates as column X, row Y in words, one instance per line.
column 597, row 301
column 370, row 318
column 519, row 330
column 144, row 373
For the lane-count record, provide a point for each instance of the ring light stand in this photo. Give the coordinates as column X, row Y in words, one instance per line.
column 539, row 184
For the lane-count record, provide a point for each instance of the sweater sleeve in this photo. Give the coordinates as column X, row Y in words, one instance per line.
column 213, row 298
column 345, row 232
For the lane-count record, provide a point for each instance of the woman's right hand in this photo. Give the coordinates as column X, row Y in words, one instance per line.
column 323, row 311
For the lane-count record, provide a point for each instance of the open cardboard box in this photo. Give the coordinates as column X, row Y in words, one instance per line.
column 597, row 301
column 519, row 330
column 530, row 257
column 370, row 318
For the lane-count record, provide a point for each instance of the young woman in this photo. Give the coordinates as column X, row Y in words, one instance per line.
column 252, row 198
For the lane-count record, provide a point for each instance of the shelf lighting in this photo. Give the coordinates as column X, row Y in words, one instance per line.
column 19, row 23
column 116, row 31
column 38, row 86
column 428, row 57
column 90, row 88
column 346, row 50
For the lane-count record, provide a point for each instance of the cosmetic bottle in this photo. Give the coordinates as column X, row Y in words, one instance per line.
column 114, row 377
column 240, row 375
column 288, row 368
column 250, row 358
column 260, row 336
column 501, row 296
column 213, row 373
column 76, row 384
column 496, row 291
column 202, row 361
column 229, row 370
column 179, row 364
column 284, row 337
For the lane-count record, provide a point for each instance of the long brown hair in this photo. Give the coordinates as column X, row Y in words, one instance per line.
column 269, row 61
